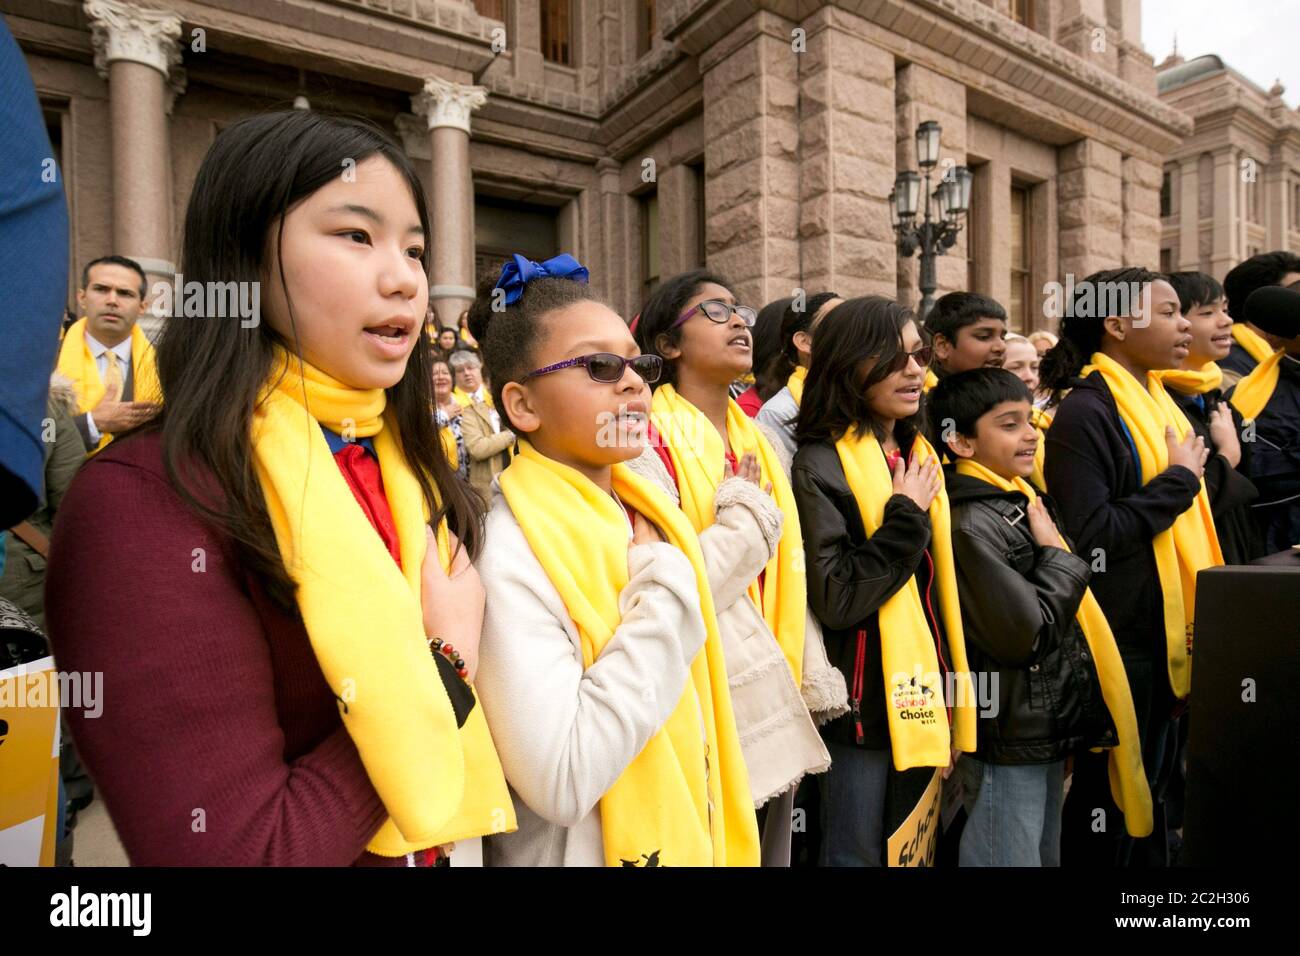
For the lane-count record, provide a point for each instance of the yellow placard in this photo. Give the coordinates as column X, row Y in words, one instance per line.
column 29, row 763
column 913, row 843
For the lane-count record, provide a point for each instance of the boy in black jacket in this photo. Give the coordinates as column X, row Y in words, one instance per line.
column 1198, row 390
column 1020, row 591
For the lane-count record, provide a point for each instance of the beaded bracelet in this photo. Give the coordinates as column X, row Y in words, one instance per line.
column 446, row 650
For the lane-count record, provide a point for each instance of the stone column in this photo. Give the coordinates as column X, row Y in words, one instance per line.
column 1189, row 216
column 1277, row 217
column 1083, row 29
column 993, row 220
column 1089, row 200
column 1042, row 262
column 846, row 129
column 137, row 52
column 752, row 188
column 1141, row 212
column 676, row 220
column 526, row 42
column 447, row 106
column 1227, row 213
column 614, row 278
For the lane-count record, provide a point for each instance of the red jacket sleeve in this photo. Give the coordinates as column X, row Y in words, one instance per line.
column 188, row 752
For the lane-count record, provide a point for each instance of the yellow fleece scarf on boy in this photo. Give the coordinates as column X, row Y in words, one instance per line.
column 1191, row 545
column 685, row 797
column 77, row 364
column 1256, row 345
column 1191, row 381
column 699, row 458
column 1041, row 422
column 439, row 783
column 919, row 732
column 1128, row 779
column 1253, row 392
column 795, row 383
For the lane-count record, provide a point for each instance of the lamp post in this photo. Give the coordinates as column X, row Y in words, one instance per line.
column 933, row 234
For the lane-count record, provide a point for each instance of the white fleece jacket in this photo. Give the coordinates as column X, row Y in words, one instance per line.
column 564, row 735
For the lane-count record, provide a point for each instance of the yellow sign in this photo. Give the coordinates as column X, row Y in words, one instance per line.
column 913, row 843
column 29, row 763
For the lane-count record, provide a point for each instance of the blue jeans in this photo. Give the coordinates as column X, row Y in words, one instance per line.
column 1013, row 813
column 853, row 807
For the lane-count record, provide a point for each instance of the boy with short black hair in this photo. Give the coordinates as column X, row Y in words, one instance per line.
column 1197, row 388
column 967, row 331
column 1249, row 346
column 1031, row 624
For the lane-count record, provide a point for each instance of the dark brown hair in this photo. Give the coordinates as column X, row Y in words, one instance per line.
column 834, row 400
column 212, row 370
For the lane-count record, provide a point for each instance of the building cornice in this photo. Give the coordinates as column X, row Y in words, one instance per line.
column 948, row 35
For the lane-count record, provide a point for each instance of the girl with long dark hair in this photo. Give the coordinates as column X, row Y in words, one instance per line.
column 881, row 579
column 273, row 575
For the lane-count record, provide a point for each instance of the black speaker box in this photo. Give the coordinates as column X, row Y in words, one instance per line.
column 1245, row 715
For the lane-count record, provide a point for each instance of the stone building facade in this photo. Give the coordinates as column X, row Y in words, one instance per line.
column 761, row 137
column 1232, row 188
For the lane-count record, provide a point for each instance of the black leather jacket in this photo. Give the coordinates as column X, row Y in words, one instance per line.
column 850, row 575
column 1018, row 604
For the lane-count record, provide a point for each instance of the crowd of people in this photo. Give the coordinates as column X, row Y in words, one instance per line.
column 711, row 585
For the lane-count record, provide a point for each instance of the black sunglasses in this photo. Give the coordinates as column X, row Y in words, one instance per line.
column 608, row 368
column 924, row 355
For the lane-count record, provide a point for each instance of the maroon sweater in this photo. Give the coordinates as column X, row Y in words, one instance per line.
column 220, row 742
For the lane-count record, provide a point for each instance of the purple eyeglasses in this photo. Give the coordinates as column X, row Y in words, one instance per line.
column 608, row 368
column 715, row 310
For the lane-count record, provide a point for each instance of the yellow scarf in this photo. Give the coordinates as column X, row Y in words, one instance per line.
column 1256, row 345
column 448, row 438
column 913, row 680
column 1128, row 780
column 699, row 458
column 1192, row 544
column 363, row 615
column 1191, row 381
column 795, row 383
column 931, row 380
column 1041, row 421
column 686, row 795
column 1253, row 392
column 79, row 366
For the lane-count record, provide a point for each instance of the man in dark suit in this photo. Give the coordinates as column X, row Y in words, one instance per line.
column 105, row 355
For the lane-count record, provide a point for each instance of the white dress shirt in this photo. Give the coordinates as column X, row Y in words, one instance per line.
column 100, row 351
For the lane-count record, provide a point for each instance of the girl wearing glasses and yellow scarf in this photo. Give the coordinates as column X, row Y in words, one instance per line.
column 750, row 533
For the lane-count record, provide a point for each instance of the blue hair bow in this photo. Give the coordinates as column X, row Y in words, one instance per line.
column 519, row 271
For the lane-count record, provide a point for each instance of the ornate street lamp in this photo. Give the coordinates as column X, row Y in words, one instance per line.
column 949, row 200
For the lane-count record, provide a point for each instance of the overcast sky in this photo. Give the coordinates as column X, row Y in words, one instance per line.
column 1260, row 39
